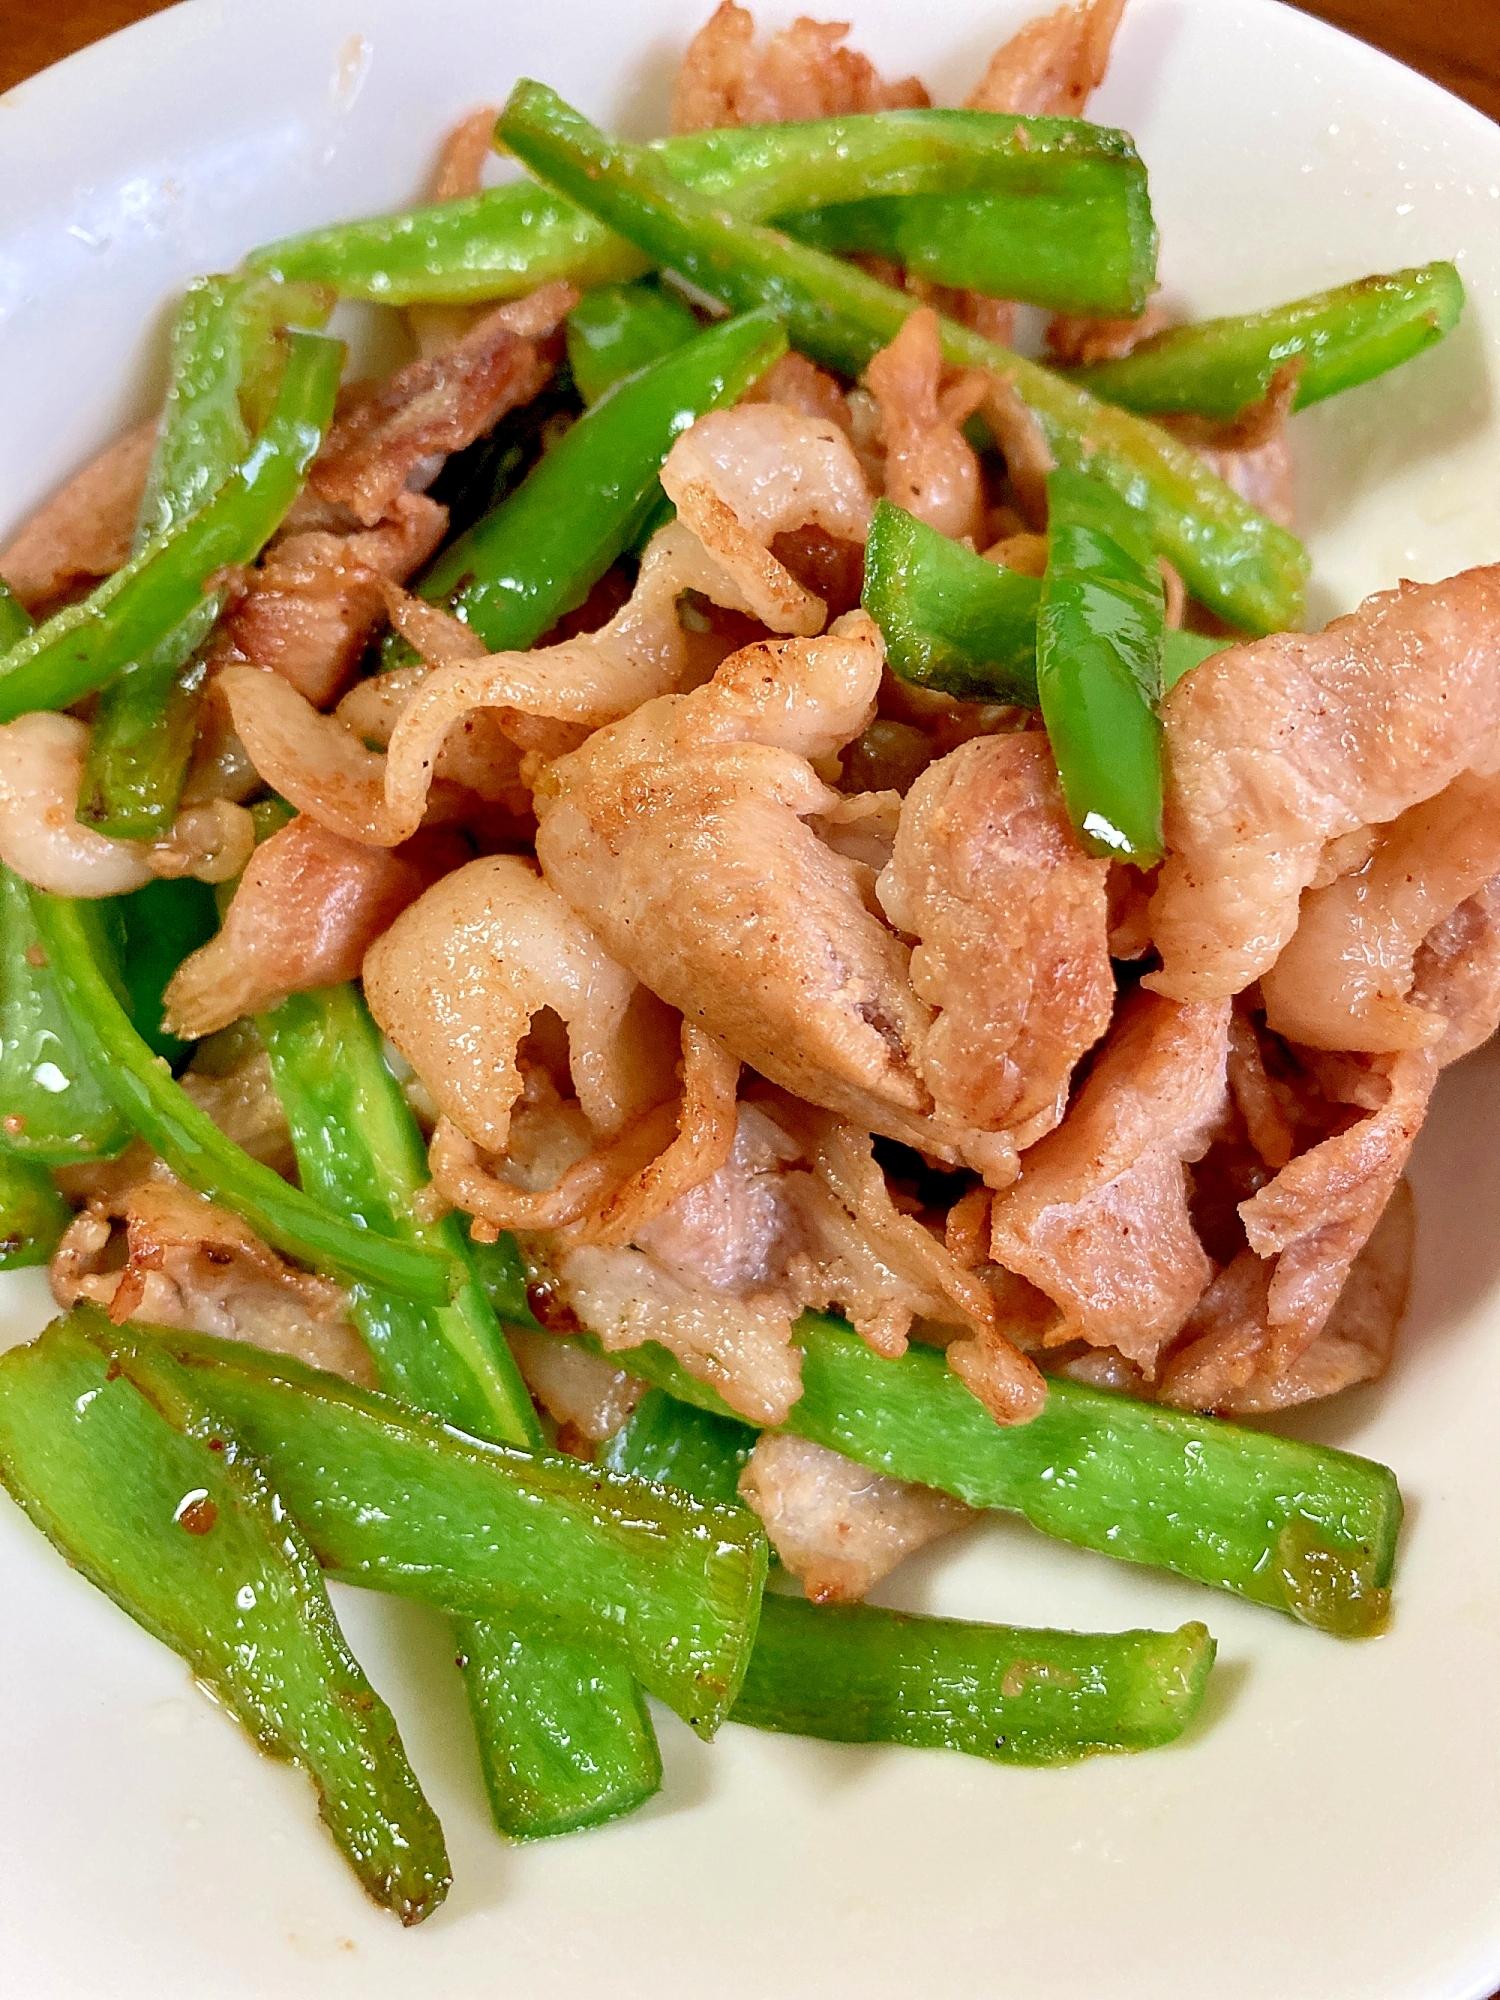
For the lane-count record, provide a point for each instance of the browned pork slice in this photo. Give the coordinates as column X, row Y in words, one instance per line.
column 1010, row 918
column 438, row 404
column 581, row 1392
column 1250, row 452
column 1076, row 342
column 308, row 907
column 1226, row 1362
column 1278, row 748
column 837, row 1526
column 931, row 469
column 190, row 1263
column 680, row 834
column 85, row 531
column 310, row 609
column 1049, row 68
column 1342, row 981
column 800, row 72
column 1099, row 1220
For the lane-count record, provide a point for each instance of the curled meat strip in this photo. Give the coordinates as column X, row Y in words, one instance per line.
column 1250, row 452
column 1076, row 342
column 457, row 980
column 801, row 72
column 1099, row 1219
column 681, row 835
column 41, row 768
column 741, row 477
column 931, row 469
column 1278, row 748
column 310, row 609
column 1342, row 981
column 438, row 404
column 308, row 907
column 190, row 1263
column 86, row 531
column 837, row 1526
column 1053, row 64
column 1011, row 918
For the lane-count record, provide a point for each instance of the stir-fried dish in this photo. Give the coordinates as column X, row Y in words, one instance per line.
column 723, row 920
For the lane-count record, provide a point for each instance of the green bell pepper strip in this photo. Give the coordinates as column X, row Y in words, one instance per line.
column 1302, row 1528
column 164, row 922
column 1232, row 558
column 1100, row 632
column 542, row 550
column 564, row 1740
column 156, row 1107
column 54, row 1108
column 1217, row 367
column 111, row 1450
column 1051, row 210
column 853, row 1673
column 15, row 620
column 619, row 329
column 644, row 1575
column 33, row 1215
column 964, row 626
column 228, row 355
column 672, row 1443
column 85, row 646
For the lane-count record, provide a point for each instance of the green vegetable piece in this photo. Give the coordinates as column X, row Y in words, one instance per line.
column 952, row 621
column 163, row 923
column 1219, row 366
column 644, row 1575
column 15, row 620
column 967, row 627
column 1051, row 210
column 671, row 1443
column 109, row 1448
column 620, row 329
column 143, row 732
column 541, row 551
column 85, row 646
column 1101, row 627
column 54, row 1108
column 853, row 1673
column 567, row 1738
column 33, row 1215
column 187, row 1138
column 1299, row 1527
column 564, row 1740
column 1231, row 557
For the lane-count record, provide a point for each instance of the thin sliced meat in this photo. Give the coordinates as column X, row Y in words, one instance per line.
column 837, row 1526
column 706, row 1127
column 799, row 384
column 438, row 404
column 1226, row 1365
column 680, row 834
column 86, row 531
column 931, row 469
column 1076, row 342
column 1250, row 452
column 42, row 758
column 574, row 1387
column 190, row 1263
column 1028, row 460
column 1277, row 748
column 1011, row 921
column 308, row 907
column 1458, row 972
column 311, row 608
column 1342, row 981
column 1099, row 1220
column 456, row 981
column 1050, row 68
column 739, row 478
column 1267, row 1126
column 800, row 72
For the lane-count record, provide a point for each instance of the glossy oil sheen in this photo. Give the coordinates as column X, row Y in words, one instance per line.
column 1328, row 1828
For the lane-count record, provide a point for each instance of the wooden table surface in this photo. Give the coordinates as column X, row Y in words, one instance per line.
column 1455, row 41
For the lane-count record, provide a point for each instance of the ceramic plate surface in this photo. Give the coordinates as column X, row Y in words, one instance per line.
column 1330, row 1828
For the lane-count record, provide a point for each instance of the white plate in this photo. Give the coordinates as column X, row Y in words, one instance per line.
column 1330, row 1830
